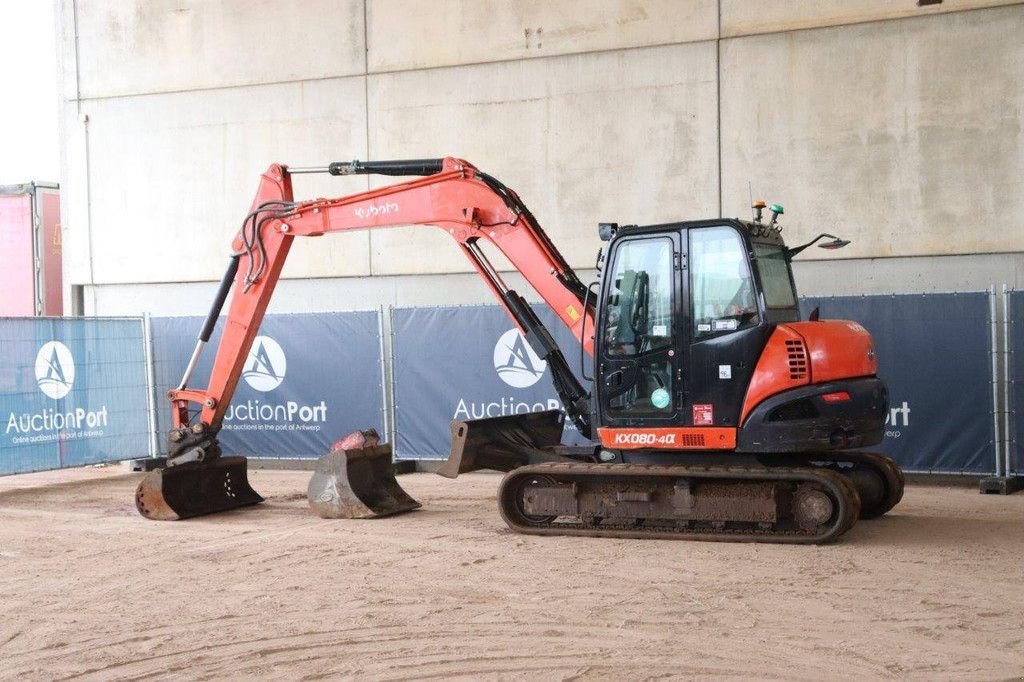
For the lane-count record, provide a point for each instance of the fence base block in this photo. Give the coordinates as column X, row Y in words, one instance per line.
column 1001, row 485
column 404, row 466
column 148, row 464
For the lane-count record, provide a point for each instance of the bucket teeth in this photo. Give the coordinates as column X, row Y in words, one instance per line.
column 357, row 483
column 503, row 443
column 195, row 489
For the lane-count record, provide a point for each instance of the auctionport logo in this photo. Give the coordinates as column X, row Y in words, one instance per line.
column 55, row 375
column 519, row 367
column 266, row 365
column 264, row 370
column 515, row 362
column 55, row 370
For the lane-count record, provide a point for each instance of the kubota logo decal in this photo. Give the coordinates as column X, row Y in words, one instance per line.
column 266, row 365
column 374, row 210
column 55, row 370
column 515, row 362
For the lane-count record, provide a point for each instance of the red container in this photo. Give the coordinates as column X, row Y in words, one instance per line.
column 30, row 250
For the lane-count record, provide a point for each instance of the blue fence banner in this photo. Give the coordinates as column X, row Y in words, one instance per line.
column 309, row 379
column 468, row 362
column 72, row 392
column 1016, row 359
column 934, row 353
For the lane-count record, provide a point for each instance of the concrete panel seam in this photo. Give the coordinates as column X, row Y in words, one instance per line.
column 842, row 24
column 88, row 198
column 614, row 50
column 912, row 255
column 718, row 104
column 78, row 70
column 216, row 88
column 366, row 118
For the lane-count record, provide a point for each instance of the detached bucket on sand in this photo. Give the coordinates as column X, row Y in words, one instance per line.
column 195, row 489
column 504, row 443
column 356, row 480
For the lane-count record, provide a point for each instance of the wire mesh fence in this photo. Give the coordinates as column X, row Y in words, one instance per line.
column 308, row 380
column 1013, row 319
column 73, row 391
column 77, row 391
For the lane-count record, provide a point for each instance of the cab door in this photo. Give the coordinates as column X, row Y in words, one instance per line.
column 728, row 326
column 639, row 379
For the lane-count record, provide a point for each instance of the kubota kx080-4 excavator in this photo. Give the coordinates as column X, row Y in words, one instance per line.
column 716, row 412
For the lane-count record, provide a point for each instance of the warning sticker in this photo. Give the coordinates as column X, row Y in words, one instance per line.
column 703, row 415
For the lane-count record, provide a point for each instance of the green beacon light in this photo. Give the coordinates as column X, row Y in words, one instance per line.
column 776, row 210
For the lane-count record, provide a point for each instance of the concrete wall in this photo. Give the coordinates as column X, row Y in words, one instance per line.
column 905, row 133
column 898, row 126
column 626, row 136
column 134, row 47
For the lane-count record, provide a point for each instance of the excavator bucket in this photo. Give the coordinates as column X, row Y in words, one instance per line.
column 503, row 443
column 194, row 489
column 357, row 483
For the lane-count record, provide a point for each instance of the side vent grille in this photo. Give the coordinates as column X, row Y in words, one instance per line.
column 799, row 367
column 692, row 440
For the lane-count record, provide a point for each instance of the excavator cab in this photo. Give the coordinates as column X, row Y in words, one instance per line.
column 686, row 310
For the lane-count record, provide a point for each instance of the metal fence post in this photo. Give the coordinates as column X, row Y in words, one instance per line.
column 996, row 430
column 1008, row 439
column 392, row 407
column 385, row 385
column 147, row 341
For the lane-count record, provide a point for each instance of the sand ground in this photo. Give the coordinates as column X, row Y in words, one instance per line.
column 90, row 590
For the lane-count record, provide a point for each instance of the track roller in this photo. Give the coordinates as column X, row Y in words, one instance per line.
column 878, row 479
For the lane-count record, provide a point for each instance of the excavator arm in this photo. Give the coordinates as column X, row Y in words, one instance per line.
column 448, row 193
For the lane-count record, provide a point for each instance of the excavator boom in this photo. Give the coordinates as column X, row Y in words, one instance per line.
column 450, row 194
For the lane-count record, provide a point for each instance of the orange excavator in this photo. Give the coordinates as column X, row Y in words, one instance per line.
column 716, row 412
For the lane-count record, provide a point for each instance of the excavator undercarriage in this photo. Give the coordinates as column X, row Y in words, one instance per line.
column 550, row 489
column 731, row 503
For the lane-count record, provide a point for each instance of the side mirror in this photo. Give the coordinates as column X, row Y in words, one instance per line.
column 607, row 230
column 836, row 243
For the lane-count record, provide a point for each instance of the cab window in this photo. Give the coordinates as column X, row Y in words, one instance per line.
column 775, row 275
column 721, row 286
column 639, row 304
column 638, row 329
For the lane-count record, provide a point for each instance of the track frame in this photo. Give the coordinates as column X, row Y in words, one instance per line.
column 586, row 477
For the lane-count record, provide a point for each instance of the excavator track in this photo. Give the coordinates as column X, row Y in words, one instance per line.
column 792, row 505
